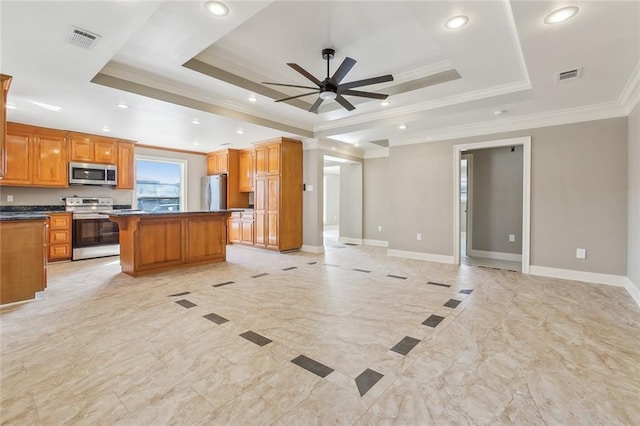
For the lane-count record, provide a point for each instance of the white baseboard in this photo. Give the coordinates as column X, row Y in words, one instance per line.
column 569, row 274
column 312, row 249
column 377, row 243
column 496, row 255
column 633, row 290
column 350, row 240
column 420, row 256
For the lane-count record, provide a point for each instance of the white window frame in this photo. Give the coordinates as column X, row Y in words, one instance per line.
column 183, row 177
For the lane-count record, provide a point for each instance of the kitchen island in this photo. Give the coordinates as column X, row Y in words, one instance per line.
column 158, row 241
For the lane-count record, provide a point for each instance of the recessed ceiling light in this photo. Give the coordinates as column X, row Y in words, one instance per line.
column 11, row 106
column 384, row 103
column 46, row 106
column 253, row 98
column 499, row 112
column 356, row 144
column 106, row 129
column 239, row 131
column 217, row 8
column 122, row 105
column 196, row 143
column 195, row 121
column 456, row 22
column 402, row 126
column 561, row 15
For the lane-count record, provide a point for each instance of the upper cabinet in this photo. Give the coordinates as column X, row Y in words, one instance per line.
column 247, row 169
column 126, row 165
column 35, row 156
column 5, row 82
column 268, row 158
column 218, row 161
column 92, row 149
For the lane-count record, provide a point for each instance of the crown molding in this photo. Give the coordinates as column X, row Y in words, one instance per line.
column 376, row 153
column 546, row 119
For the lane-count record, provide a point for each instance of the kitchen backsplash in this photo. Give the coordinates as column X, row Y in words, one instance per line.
column 24, row 196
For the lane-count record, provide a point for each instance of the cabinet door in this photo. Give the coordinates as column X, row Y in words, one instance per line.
column 212, row 164
column 246, row 171
column 126, row 166
column 105, row 151
column 261, row 160
column 222, row 162
column 273, row 158
column 260, row 194
column 5, row 82
column 259, row 226
column 50, row 160
column 247, row 231
column 272, row 230
column 18, row 157
column 273, row 193
column 235, row 230
column 81, row 149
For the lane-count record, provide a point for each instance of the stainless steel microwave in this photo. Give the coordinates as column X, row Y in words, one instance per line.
column 92, row 174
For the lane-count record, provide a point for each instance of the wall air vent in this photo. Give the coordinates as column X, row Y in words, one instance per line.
column 83, row 38
column 572, row 74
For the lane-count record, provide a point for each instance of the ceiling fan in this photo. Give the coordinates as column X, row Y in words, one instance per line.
column 330, row 87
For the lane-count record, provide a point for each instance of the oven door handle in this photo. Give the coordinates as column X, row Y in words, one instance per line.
column 90, row 216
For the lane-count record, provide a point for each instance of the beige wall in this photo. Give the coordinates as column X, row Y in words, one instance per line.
column 332, row 197
column 196, row 168
column 578, row 195
column 497, row 199
column 633, row 243
column 376, row 198
column 351, row 201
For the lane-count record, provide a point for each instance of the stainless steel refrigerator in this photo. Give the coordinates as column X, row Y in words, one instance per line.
column 214, row 192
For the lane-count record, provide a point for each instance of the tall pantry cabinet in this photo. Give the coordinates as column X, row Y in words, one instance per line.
column 278, row 194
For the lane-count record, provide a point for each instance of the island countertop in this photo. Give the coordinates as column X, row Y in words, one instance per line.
column 157, row 241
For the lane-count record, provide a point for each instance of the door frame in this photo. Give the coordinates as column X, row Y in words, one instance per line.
column 525, row 141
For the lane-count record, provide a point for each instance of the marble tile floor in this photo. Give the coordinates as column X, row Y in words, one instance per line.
column 270, row 338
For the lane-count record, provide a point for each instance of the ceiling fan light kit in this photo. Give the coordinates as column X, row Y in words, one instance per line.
column 331, row 87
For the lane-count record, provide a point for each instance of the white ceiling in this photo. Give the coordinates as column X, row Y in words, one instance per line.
column 506, row 57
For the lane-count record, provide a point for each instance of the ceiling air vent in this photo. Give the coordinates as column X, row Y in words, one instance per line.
column 382, row 142
column 83, row 38
column 563, row 76
column 225, row 144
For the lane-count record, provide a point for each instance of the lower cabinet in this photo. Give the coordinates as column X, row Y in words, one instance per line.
column 241, row 228
column 59, row 236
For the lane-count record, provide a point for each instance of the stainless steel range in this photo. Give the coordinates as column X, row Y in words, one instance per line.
column 93, row 234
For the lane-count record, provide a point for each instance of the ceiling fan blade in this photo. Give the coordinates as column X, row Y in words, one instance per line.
column 298, row 96
column 289, row 85
column 345, row 103
column 316, row 105
column 364, row 94
column 342, row 70
column 366, row 82
column 305, row 73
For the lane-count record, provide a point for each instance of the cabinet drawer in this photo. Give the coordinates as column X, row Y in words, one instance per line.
column 62, row 221
column 59, row 251
column 61, row 236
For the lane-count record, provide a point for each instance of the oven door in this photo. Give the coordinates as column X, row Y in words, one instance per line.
column 94, row 236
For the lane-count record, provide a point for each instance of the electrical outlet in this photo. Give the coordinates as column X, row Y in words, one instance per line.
column 581, row 253
column 512, row 238
column 419, row 236
column 379, row 228
column 9, row 198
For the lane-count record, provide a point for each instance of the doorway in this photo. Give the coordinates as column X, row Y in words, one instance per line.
column 466, row 251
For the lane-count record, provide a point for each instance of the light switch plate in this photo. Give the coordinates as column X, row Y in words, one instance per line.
column 581, row 253
column 512, row 238
column 9, row 198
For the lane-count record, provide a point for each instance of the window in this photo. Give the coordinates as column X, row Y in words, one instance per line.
column 160, row 184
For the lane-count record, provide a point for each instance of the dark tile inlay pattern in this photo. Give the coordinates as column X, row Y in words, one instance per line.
column 215, row 318
column 185, row 303
column 361, row 270
column 224, row 283
column 330, row 264
column 259, row 275
column 452, row 303
column 438, row 284
column 367, row 379
column 433, row 320
column 405, row 345
column 313, row 366
column 465, row 291
column 312, row 263
column 397, row 276
column 290, row 268
column 351, row 244
column 256, row 338
column 180, row 294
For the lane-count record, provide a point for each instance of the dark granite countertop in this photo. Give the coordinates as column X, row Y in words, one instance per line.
column 124, row 213
column 47, row 209
column 22, row 216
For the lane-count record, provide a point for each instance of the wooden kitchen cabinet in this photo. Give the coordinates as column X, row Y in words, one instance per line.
column 228, row 161
column 59, row 247
column 278, row 195
column 218, row 162
column 241, row 227
column 35, row 156
column 247, row 170
column 86, row 148
column 126, row 165
column 5, row 82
